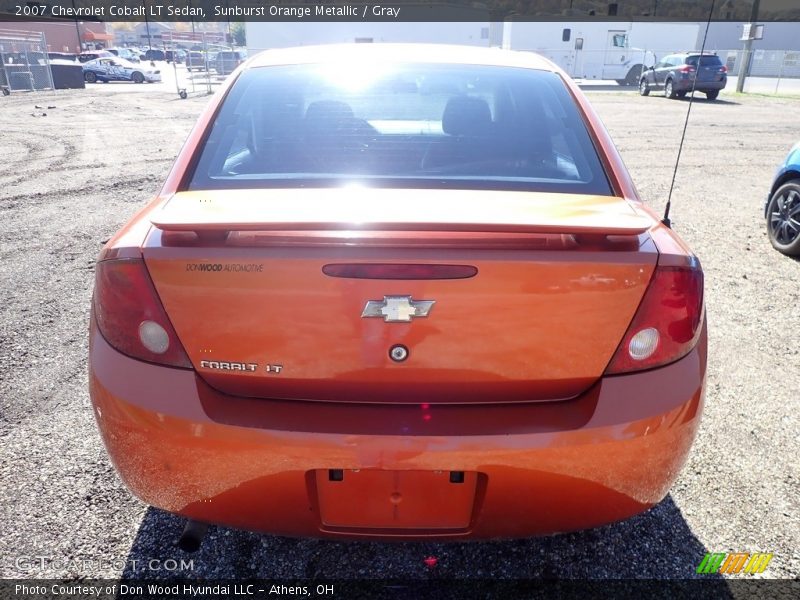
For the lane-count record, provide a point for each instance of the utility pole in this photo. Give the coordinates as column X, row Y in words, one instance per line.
column 744, row 65
column 147, row 27
column 77, row 29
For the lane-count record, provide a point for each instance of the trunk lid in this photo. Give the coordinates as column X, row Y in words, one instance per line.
column 547, row 285
column 710, row 73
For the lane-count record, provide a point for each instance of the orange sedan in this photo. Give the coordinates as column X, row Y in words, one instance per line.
column 398, row 292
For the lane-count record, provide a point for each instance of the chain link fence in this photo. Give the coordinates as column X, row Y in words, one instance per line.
column 769, row 72
column 24, row 63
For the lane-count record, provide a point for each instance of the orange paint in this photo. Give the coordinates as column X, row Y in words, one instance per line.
column 504, row 385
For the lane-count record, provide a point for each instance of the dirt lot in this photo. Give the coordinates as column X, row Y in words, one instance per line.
column 68, row 180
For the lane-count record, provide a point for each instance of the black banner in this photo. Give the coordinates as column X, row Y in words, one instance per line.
column 399, row 10
column 694, row 589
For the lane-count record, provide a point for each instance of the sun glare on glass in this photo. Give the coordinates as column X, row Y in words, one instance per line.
column 352, row 77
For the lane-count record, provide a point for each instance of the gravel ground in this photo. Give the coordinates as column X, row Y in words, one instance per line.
column 69, row 179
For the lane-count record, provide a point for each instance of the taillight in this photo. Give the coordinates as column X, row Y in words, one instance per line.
column 130, row 316
column 666, row 325
column 723, row 69
column 686, row 69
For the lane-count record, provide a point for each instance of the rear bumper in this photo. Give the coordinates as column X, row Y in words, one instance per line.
column 685, row 85
column 249, row 463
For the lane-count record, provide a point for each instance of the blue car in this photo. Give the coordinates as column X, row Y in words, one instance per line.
column 782, row 210
column 118, row 69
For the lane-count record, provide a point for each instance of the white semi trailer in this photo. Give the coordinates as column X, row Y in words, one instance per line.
column 602, row 50
column 266, row 35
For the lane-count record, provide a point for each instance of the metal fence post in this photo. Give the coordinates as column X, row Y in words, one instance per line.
column 48, row 71
column 744, row 65
column 780, row 72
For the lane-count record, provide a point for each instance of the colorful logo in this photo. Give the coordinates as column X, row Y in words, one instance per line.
column 735, row 562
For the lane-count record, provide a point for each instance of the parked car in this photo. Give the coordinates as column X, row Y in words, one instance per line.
column 153, row 54
column 62, row 56
column 227, row 60
column 676, row 74
column 118, row 69
column 362, row 308
column 125, row 53
column 94, row 55
column 176, row 56
column 197, row 61
column 782, row 209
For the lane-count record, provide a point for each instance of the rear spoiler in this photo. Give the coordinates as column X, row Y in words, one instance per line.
column 399, row 210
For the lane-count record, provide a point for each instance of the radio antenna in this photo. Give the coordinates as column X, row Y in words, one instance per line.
column 666, row 220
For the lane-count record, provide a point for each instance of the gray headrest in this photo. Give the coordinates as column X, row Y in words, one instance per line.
column 328, row 110
column 465, row 115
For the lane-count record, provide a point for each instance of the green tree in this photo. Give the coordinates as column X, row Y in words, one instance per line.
column 238, row 33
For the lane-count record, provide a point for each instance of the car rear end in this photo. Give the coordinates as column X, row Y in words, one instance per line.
column 708, row 71
column 227, row 61
column 154, row 54
column 196, row 60
column 400, row 294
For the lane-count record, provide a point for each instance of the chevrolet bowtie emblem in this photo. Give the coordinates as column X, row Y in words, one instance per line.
column 397, row 309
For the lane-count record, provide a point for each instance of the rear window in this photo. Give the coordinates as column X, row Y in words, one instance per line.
column 705, row 61
column 403, row 125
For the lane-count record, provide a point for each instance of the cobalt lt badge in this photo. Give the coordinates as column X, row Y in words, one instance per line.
column 397, row 309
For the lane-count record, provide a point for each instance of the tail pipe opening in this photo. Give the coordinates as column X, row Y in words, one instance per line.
column 192, row 536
